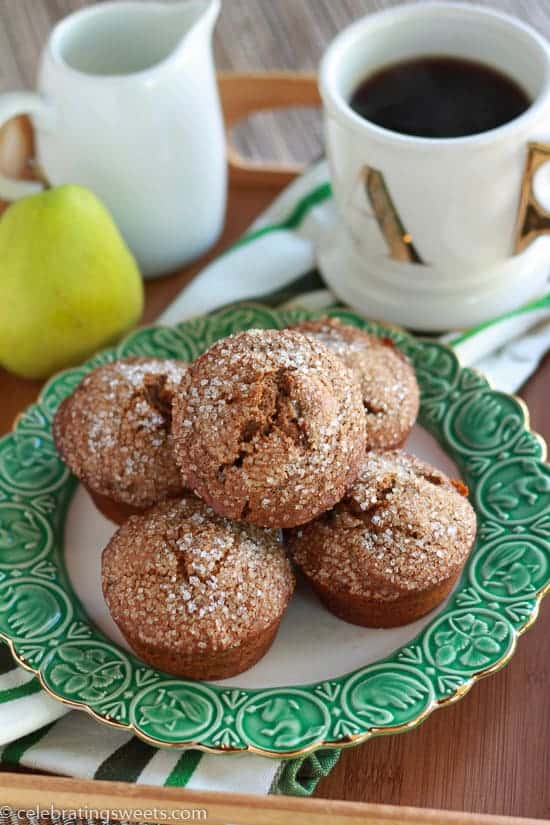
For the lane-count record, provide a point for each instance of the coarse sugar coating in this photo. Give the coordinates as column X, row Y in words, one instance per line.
column 113, row 432
column 393, row 547
column 387, row 380
column 269, row 428
column 194, row 593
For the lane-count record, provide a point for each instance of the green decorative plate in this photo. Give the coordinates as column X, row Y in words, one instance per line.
column 397, row 677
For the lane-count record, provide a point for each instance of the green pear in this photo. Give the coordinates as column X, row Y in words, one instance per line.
column 69, row 285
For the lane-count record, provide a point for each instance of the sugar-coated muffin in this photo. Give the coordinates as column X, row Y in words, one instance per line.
column 113, row 433
column 269, row 428
column 387, row 380
column 393, row 548
column 194, row 594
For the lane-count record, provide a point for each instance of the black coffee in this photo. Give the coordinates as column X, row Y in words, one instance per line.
column 439, row 97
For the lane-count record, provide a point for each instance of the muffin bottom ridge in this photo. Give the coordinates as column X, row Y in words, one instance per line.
column 205, row 665
column 377, row 613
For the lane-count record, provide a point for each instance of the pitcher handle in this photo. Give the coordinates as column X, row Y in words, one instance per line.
column 13, row 104
column 242, row 94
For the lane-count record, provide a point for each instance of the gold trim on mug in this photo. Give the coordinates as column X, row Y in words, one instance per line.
column 533, row 220
column 399, row 241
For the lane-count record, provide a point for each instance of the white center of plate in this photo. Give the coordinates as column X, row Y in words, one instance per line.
column 311, row 645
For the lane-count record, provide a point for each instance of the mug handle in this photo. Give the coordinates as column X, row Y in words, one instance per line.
column 13, row 104
column 533, row 220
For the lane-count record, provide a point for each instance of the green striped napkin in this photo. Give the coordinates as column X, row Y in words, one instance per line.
column 275, row 263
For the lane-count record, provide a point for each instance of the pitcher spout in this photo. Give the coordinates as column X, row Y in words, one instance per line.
column 193, row 18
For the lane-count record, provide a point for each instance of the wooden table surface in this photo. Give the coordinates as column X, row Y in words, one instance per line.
column 490, row 751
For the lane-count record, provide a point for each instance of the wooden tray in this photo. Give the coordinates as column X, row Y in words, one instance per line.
column 139, row 802
column 489, row 753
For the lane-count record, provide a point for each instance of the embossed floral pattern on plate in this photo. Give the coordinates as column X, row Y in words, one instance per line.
column 485, row 432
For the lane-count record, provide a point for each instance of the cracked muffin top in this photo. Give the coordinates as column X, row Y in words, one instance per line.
column 403, row 526
column 268, row 427
column 113, row 432
column 387, row 380
column 179, row 576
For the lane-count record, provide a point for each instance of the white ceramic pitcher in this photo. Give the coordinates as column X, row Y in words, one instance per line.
column 127, row 105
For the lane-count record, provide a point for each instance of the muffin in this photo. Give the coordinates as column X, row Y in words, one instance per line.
column 268, row 427
column 113, row 433
column 387, row 380
column 393, row 548
column 194, row 594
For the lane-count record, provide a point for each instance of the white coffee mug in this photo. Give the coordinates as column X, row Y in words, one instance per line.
column 127, row 105
column 437, row 233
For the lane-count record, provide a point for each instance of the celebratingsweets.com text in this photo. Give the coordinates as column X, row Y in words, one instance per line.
column 11, row 816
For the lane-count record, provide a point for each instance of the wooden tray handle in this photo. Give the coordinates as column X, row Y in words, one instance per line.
column 242, row 94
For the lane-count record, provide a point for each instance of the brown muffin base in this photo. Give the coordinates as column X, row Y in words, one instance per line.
column 206, row 664
column 115, row 511
column 408, row 607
